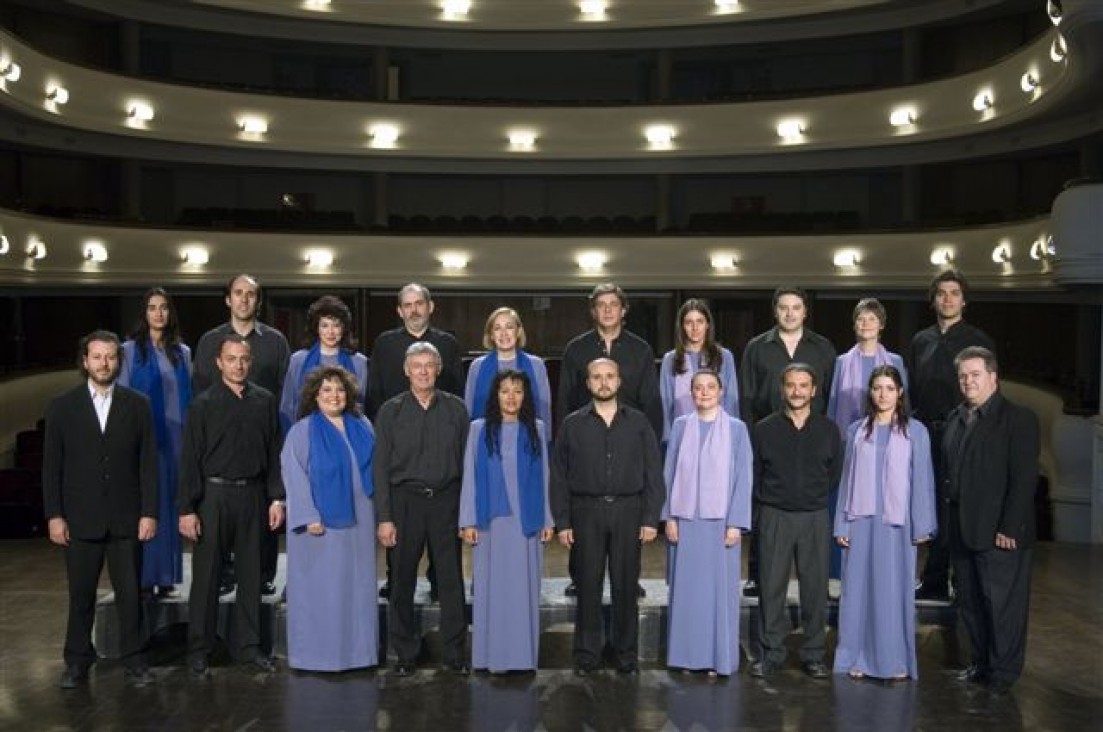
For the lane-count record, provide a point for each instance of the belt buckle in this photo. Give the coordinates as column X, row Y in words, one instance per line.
column 430, row 492
column 609, row 499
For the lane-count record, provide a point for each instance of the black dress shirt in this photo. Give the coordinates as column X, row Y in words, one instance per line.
column 267, row 347
column 232, row 438
column 595, row 459
column 387, row 377
column 764, row 360
column 932, row 377
column 418, row 447
column 639, row 378
column 794, row 470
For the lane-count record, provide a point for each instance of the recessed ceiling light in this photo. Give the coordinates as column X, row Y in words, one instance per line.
column 36, row 248
column 251, row 125
column 983, row 100
column 455, row 9
column 195, row 255
column 591, row 261
column 140, row 111
column 57, row 94
column 1028, row 82
column 316, row 4
column 592, row 9
column 902, row 117
column 1054, row 11
column 846, row 258
column 522, row 139
column 790, row 129
column 1042, row 248
column 726, row 6
column 660, row 136
column 1002, row 253
column 454, row 261
column 5, row 245
column 723, row 262
column 383, row 135
column 319, row 258
column 95, row 251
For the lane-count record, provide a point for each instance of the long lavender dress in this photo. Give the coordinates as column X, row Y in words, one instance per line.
column 541, row 391
column 162, row 556
column 675, row 405
column 332, row 608
column 508, row 565
column 877, row 606
column 703, row 632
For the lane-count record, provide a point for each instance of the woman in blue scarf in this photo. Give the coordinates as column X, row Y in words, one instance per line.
column 504, row 515
column 329, row 331
column 504, row 335
column 332, row 609
column 157, row 364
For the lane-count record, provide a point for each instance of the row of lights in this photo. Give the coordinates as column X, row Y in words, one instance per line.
column 588, row 9
column 95, row 251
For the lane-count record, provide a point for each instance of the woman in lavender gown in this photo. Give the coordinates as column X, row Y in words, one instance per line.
column 157, row 364
column 332, row 609
column 695, row 348
column 886, row 507
column 329, row 331
column 504, row 515
column 708, row 506
column 504, row 335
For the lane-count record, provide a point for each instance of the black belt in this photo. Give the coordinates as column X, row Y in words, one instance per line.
column 422, row 490
column 605, row 499
column 236, row 482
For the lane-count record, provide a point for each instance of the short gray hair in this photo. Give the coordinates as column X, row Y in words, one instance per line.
column 418, row 348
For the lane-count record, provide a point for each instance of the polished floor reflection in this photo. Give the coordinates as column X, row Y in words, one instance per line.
column 1062, row 687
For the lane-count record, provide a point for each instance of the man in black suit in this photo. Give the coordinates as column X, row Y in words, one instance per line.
column 990, row 471
column 99, row 485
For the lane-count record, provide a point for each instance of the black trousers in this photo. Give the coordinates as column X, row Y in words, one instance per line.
column 936, row 570
column 84, row 560
column 606, row 532
column 230, row 518
column 994, row 598
column 421, row 521
column 784, row 536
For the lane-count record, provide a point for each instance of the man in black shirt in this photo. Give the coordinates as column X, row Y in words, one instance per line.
column 420, row 437
column 606, row 495
column 797, row 460
column 765, row 357
column 934, row 394
column 270, row 355
column 229, row 479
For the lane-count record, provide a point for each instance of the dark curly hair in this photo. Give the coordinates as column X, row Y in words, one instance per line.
column 308, row 397
column 527, row 417
column 329, row 306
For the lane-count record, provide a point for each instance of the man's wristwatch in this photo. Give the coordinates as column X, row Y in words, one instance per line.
column 278, row 502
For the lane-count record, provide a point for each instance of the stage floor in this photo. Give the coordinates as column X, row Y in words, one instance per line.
column 1061, row 689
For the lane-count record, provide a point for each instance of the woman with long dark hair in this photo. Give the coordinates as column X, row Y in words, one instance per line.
column 886, row 507
column 504, row 515
column 158, row 364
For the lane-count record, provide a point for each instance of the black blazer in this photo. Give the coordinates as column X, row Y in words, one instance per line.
column 997, row 474
column 100, row 482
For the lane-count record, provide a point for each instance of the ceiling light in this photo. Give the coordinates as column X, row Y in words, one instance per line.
column 57, row 94
column 11, row 71
column 902, row 117
column 522, row 139
column 95, row 251
column 455, row 8
column 790, row 128
column 316, row 4
column 454, row 261
column 723, row 262
column 846, row 258
column 1028, row 83
column 253, row 125
column 726, row 6
column 591, row 261
column 1054, row 11
column 319, row 258
column 1058, row 49
column 941, row 256
column 195, row 255
column 1002, row 253
column 592, row 8
column 983, row 100
column 383, row 135
column 140, row 111
column 36, row 248
column 5, row 245
column 660, row 136
column 1042, row 248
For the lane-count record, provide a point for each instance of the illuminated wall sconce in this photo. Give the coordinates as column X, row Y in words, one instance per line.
column 319, row 258
column 1054, row 11
column 1058, row 50
column 592, row 9
column 1028, row 83
column 902, row 117
column 942, row 256
column 1002, row 253
column 983, row 100
column 847, row 258
column 316, row 4
column 723, row 262
column 57, row 94
column 1042, row 248
column 195, row 256
column 660, row 137
column 11, row 71
column 253, row 125
column 95, row 251
column 36, row 249
column 383, row 135
column 140, row 111
column 523, row 140
column 726, row 6
column 5, row 245
column 453, row 261
column 455, row 9
column 790, row 129
column 591, row 261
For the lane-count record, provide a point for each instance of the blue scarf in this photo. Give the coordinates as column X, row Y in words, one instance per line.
column 487, row 373
column 328, row 468
column 146, row 378
column 490, row 484
column 314, row 360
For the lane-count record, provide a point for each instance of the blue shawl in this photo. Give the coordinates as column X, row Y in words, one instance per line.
column 145, row 376
column 328, row 467
column 489, row 370
column 314, row 359
column 490, row 484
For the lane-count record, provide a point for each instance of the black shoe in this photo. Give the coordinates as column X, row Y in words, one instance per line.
column 263, row 664
column 385, row 591
column 762, row 669
column 268, row 588
column 139, row 676
column 750, row 589
column 640, row 592
column 459, row 668
column 937, row 591
column 198, row 668
column 816, row 669
column 973, row 675
column 73, row 676
column 225, row 588
column 403, row 668
column 434, row 596
column 570, row 590
column 629, row 668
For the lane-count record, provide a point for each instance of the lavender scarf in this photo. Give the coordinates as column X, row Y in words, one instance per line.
column 852, row 387
column 861, row 483
column 702, row 476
